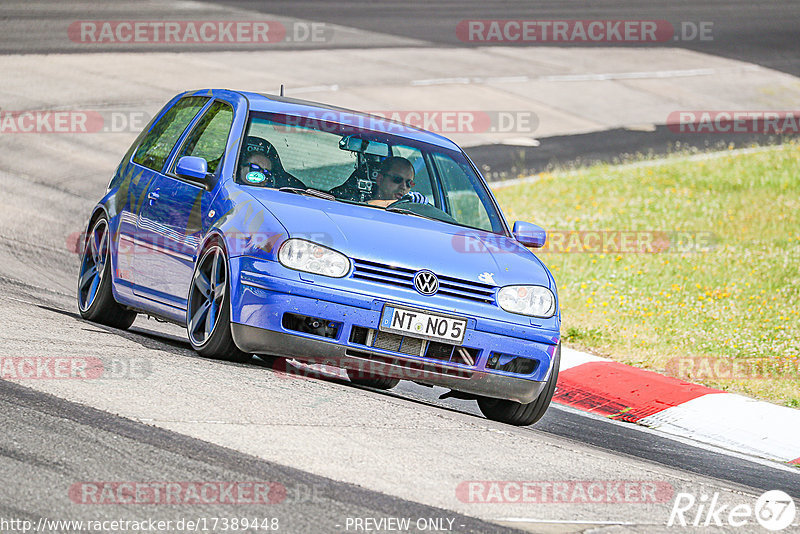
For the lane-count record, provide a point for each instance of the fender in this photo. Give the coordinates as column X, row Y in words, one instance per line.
column 244, row 225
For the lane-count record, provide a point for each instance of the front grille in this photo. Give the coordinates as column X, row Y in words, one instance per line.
column 404, row 277
column 414, row 346
column 409, row 370
column 397, row 343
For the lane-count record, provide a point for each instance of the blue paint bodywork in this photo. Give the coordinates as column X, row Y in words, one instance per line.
column 160, row 224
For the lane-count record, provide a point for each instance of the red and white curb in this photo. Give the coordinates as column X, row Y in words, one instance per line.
column 677, row 407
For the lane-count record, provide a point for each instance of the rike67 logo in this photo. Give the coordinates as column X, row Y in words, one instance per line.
column 774, row 510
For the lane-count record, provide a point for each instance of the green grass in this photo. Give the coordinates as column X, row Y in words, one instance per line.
column 738, row 299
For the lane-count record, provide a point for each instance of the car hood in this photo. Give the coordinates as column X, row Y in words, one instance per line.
column 402, row 240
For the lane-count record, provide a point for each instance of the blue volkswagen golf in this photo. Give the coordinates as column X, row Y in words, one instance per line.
column 272, row 226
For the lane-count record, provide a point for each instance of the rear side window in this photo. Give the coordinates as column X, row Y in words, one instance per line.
column 210, row 137
column 158, row 143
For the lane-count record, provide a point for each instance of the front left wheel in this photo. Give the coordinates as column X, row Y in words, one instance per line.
column 515, row 413
column 95, row 297
column 209, row 308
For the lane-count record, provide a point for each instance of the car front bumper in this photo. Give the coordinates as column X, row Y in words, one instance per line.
column 259, row 340
column 259, row 303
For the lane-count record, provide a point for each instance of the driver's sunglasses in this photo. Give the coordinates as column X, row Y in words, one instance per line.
column 396, row 178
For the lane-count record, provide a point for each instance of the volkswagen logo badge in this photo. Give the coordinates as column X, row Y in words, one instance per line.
column 426, row 282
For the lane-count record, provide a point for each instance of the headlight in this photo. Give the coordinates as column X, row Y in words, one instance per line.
column 302, row 255
column 537, row 301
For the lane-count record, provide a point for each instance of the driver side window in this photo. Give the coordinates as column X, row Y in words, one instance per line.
column 422, row 180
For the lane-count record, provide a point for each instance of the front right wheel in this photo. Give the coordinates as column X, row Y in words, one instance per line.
column 515, row 413
column 371, row 380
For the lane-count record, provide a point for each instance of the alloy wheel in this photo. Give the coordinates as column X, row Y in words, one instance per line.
column 207, row 295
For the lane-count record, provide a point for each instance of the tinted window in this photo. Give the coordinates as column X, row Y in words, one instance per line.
column 210, row 136
column 422, row 180
column 310, row 155
column 158, row 143
column 313, row 155
column 348, row 162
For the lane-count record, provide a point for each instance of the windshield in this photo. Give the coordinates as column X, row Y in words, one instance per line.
column 307, row 155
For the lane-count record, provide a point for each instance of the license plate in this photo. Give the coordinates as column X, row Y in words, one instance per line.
column 416, row 323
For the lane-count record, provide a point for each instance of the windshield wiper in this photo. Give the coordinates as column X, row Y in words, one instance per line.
column 310, row 192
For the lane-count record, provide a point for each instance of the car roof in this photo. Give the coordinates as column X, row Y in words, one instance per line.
column 293, row 106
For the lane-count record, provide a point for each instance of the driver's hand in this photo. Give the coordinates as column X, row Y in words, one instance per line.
column 414, row 196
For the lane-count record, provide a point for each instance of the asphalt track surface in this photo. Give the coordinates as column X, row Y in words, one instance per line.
column 766, row 34
column 87, row 444
column 56, row 435
column 763, row 33
column 49, row 443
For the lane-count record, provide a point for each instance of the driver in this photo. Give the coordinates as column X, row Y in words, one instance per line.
column 395, row 178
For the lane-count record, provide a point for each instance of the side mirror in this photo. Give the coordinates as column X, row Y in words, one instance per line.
column 529, row 234
column 192, row 167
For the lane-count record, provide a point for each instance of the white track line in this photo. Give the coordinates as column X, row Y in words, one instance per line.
column 589, row 77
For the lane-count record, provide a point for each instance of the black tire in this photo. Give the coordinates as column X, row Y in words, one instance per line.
column 95, row 296
column 218, row 343
column 518, row 414
column 370, row 380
